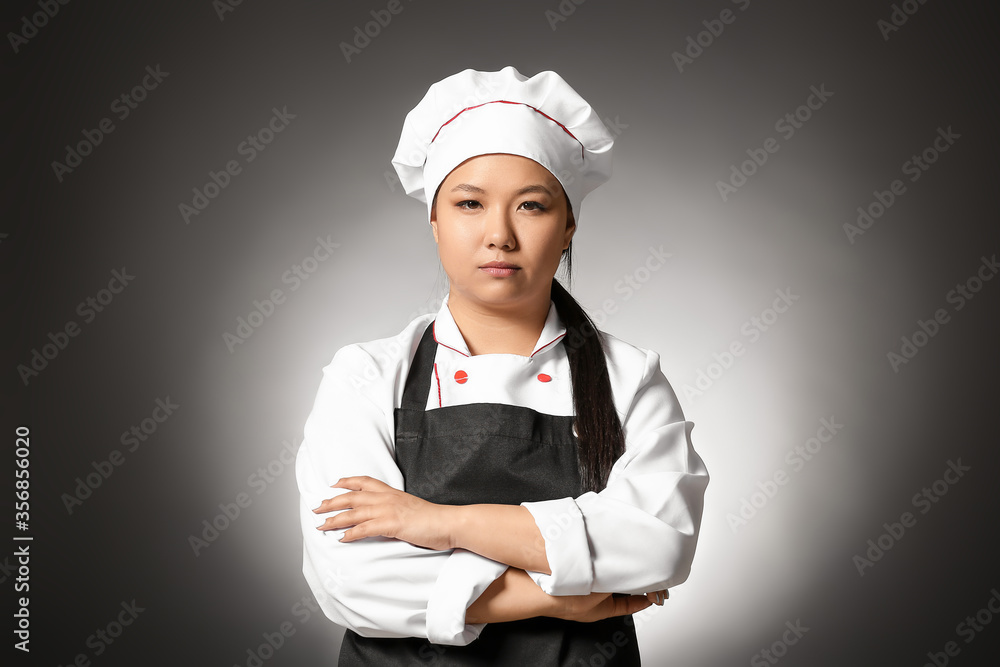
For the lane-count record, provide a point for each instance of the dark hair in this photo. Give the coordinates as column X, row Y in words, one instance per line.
column 598, row 429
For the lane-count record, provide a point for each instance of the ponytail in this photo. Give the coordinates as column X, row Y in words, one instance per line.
column 599, row 431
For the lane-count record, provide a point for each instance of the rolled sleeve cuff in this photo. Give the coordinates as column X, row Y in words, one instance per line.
column 462, row 580
column 566, row 547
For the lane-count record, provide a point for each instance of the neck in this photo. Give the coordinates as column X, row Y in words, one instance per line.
column 489, row 329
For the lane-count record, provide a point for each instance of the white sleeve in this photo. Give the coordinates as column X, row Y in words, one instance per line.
column 378, row 587
column 638, row 535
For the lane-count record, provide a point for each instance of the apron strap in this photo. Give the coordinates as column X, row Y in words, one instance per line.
column 418, row 379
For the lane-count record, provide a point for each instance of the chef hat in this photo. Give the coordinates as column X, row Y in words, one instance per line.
column 475, row 113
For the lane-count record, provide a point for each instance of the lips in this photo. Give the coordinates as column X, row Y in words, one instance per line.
column 499, row 265
column 500, row 269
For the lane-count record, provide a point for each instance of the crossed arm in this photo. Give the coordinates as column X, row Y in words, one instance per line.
column 506, row 562
column 505, row 533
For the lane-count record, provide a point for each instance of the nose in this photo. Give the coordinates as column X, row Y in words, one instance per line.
column 499, row 232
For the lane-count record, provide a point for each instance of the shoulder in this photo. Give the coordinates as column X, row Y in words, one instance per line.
column 630, row 363
column 374, row 366
column 635, row 373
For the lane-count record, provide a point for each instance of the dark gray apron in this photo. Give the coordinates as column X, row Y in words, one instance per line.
column 490, row 453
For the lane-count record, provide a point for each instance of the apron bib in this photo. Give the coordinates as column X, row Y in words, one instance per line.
column 490, row 453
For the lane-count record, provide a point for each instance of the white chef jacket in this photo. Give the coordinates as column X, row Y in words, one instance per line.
column 636, row 536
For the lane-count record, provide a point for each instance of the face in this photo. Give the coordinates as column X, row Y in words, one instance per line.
column 501, row 208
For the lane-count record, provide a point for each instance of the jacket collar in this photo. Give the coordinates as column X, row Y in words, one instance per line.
column 446, row 331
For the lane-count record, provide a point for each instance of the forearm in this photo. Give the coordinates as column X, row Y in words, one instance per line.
column 504, row 533
column 514, row 596
column 511, row 597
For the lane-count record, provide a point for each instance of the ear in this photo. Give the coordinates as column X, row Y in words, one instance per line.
column 434, row 224
column 570, row 228
column 434, row 215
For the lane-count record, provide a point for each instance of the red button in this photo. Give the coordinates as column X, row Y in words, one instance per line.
column 461, row 377
column 544, row 378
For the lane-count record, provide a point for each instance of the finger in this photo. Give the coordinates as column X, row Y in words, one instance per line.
column 637, row 603
column 350, row 518
column 344, row 501
column 351, row 535
column 370, row 528
column 631, row 604
column 336, row 502
column 332, row 523
column 658, row 597
column 361, row 483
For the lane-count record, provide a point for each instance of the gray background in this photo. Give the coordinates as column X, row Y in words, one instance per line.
column 325, row 175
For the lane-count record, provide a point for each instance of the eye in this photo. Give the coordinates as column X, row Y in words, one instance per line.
column 468, row 204
column 533, row 206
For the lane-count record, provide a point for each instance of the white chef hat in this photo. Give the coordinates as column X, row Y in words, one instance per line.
column 475, row 113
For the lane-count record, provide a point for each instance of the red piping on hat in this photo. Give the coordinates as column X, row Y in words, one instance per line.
column 509, row 102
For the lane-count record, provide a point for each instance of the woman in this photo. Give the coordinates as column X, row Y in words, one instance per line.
column 499, row 484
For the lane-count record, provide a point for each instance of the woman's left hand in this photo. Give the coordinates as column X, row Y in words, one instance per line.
column 372, row 508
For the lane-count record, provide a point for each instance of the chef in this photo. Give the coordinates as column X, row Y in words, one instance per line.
column 500, row 483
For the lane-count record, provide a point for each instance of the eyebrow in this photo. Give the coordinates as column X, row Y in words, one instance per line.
column 467, row 187
column 534, row 188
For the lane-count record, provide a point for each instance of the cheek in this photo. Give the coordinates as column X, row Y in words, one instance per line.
column 549, row 245
column 452, row 247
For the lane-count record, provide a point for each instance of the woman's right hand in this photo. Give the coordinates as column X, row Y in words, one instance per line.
column 598, row 606
column 514, row 596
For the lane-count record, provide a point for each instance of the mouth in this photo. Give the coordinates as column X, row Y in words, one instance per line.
column 500, row 269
